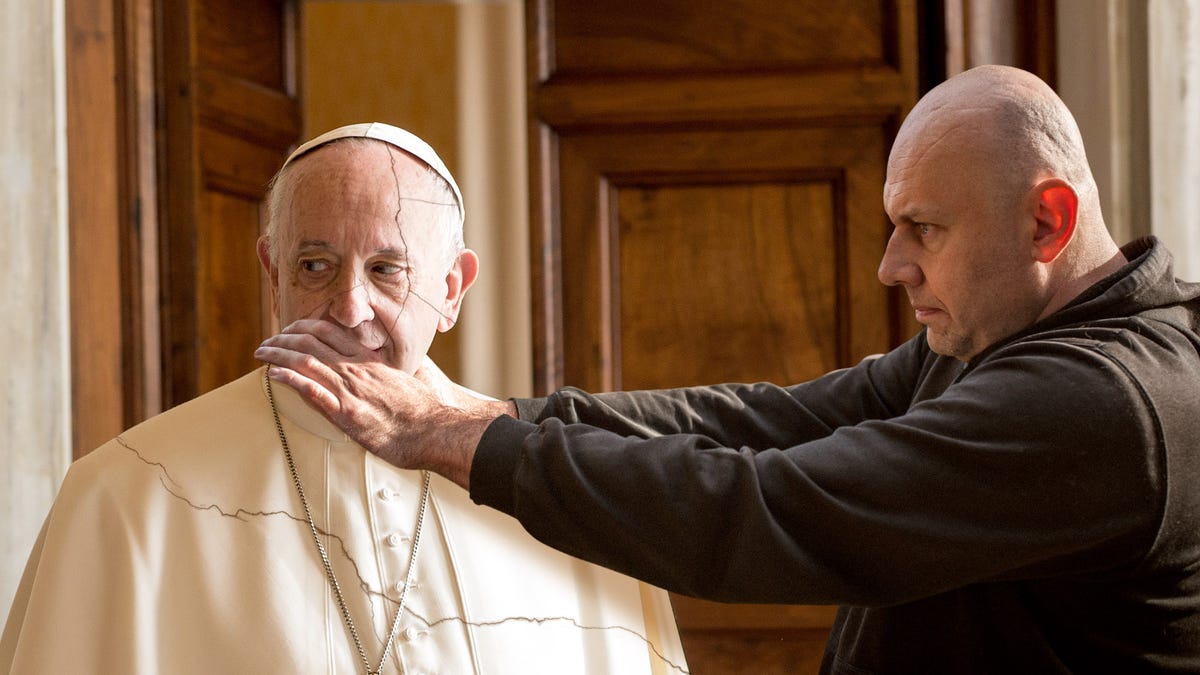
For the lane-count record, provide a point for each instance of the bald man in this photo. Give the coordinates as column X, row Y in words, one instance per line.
column 241, row 532
column 1014, row 490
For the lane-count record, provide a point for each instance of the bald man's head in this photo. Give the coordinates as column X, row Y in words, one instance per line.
column 997, row 216
column 1013, row 124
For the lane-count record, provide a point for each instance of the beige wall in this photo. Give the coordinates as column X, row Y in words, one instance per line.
column 1174, row 129
column 1130, row 71
column 1102, row 63
column 34, row 370
column 452, row 73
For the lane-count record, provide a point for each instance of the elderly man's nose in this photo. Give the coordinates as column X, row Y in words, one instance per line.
column 351, row 305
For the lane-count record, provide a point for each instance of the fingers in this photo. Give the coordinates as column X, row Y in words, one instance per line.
column 313, row 347
column 309, row 390
column 328, row 334
column 285, row 354
column 304, row 363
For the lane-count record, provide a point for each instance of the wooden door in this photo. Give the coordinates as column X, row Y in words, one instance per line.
column 177, row 115
column 230, row 116
column 707, row 207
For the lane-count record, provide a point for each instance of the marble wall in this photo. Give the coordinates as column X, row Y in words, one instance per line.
column 34, row 355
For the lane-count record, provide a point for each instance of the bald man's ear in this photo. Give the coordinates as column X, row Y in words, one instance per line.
column 1055, row 207
column 462, row 274
column 264, row 257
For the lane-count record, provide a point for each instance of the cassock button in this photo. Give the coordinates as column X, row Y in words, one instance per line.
column 412, row 586
column 395, row 539
column 411, row 634
column 386, row 494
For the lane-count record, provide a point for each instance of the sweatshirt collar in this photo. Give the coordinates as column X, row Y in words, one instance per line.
column 1145, row 282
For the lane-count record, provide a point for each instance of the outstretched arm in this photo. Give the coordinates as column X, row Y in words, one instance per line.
column 414, row 422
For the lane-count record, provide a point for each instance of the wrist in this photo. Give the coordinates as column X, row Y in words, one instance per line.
column 459, row 438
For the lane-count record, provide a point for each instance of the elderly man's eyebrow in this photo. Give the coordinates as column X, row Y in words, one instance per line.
column 308, row 244
column 322, row 245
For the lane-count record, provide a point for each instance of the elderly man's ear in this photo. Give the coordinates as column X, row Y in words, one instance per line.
column 1055, row 207
column 460, row 277
column 264, row 256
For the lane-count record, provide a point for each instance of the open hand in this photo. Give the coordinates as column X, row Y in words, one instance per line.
column 424, row 422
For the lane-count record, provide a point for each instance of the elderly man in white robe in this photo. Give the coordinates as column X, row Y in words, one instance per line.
column 242, row 532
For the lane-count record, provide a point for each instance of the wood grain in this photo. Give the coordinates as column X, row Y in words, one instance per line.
column 706, row 202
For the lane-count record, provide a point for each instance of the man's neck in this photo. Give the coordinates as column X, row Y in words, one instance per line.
column 1084, row 277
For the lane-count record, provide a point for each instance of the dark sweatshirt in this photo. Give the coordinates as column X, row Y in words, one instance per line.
column 1036, row 510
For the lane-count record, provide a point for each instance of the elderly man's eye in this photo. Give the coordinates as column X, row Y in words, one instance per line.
column 314, row 266
column 923, row 229
column 386, row 269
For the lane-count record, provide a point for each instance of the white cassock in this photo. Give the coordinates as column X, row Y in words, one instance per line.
column 181, row 547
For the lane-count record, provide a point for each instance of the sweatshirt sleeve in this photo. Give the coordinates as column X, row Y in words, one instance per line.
column 759, row 415
column 850, row 501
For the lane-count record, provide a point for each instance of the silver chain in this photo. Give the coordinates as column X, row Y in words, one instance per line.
column 333, row 582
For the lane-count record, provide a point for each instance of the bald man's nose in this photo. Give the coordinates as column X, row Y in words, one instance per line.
column 897, row 268
column 351, row 305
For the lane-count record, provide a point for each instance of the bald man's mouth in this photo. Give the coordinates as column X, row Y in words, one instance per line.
column 926, row 313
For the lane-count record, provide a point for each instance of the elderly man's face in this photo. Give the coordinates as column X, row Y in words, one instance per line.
column 962, row 252
column 360, row 244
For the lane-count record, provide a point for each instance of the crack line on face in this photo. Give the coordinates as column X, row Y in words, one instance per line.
column 408, row 273
column 400, row 199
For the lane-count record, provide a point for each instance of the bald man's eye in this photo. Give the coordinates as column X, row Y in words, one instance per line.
column 923, row 229
column 314, row 266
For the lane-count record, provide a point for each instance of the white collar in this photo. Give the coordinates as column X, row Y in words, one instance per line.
column 300, row 413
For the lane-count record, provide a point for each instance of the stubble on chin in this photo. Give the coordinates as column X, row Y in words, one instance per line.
column 948, row 343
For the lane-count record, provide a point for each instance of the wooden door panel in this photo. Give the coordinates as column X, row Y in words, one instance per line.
column 781, row 228
column 230, row 115
column 235, row 163
column 638, row 37
column 707, row 206
column 710, row 275
column 245, row 39
column 229, row 322
column 724, row 639
column 699, row 256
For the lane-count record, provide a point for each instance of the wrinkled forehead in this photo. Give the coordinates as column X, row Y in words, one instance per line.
column 394, row 136
column 358, row 186
column 950, row 127
column 942, row 154
column 360, row 159
column 953, row 137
